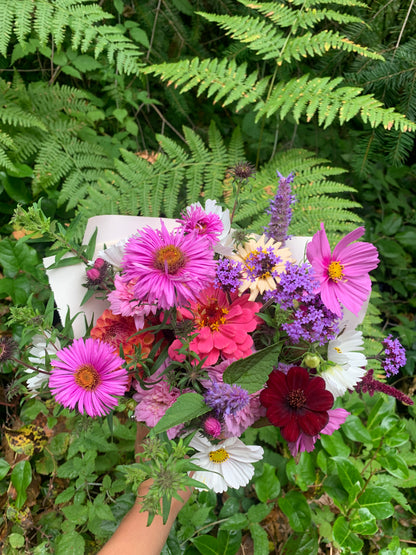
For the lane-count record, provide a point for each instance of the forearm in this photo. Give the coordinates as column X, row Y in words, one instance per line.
column 134, row 537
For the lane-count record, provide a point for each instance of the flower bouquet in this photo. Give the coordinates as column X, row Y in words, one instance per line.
column 201, row 331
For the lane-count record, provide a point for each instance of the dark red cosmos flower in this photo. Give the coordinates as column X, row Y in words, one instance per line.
column 296, row 402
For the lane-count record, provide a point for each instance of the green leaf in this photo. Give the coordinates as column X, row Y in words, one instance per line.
column 17, row 288
column 349, row 476
column 185, row 408
column 4, row 468
column 70, row 543
column 394, row 464
column 296, row 508
column 335, row 445
column 21, row 477
column 354, row 430
column 16, row 540
column 17, row 190
column 267, row 486
column 207, row 545
column 228, row 542
column 303, row 472
column 377, row 500
column 252, row 372
column 306, row 544
column 260, row 539
column 77, row 514
column 257, row 513
column 363, row 522
column 345, row 537
column 65, row 495
column 236, row 522
column 16, row 257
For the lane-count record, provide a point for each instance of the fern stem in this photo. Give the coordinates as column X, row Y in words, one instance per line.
column 404, row 25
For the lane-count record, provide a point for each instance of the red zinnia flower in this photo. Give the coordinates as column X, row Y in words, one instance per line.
column 296, row 402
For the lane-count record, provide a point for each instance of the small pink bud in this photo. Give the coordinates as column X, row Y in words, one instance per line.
column 212, row 427
column 93, row 274
column 99, row 263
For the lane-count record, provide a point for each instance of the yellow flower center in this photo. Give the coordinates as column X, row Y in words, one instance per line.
column 87, row 377
column 211, row 315
column 169, row 259
column 218, row 456
column 336, row 271
column 338, row 350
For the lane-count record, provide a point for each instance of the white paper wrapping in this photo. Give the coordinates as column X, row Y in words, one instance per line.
column 66, row 283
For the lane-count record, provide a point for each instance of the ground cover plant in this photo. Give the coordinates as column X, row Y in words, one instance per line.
column 143, row 108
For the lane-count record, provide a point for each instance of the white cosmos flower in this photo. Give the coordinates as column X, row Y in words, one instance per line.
column 114, row 254
column 349, row 365
column 37, row 354
column 228, row 464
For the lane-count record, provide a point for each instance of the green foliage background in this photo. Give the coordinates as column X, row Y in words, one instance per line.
column 88, row 92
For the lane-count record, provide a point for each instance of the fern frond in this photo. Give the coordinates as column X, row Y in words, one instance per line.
column 23, row 19
column 320, row 95
column 284, row 16
column 6, row 24
column 6, row 144
column 216, row 77
column 176, row 175
column 195, row 171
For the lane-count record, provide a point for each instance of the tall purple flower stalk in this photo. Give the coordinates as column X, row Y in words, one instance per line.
column 369, row 385
column 281, row 210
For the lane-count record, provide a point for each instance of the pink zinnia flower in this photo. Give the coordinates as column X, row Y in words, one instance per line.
column 343, row 275
column 223, row 327
column 304, row 442
column 170, row 268
column 88, row 374
column 296, row 403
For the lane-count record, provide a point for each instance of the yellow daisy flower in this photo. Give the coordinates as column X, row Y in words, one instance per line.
column 263, row 261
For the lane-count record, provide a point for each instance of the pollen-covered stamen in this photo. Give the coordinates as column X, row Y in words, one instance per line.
column 336, row 271
column 211, row 315
column 169, row 259
column 296, row 398
column 218, row 456
column 87, row 377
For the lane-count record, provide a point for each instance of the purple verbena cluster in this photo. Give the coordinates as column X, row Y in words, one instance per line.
column 280, row 210
column 312, row 322
column 228, row 275
column 226, row 399
column 297, row 283
column 261, row 262
column 395, row 355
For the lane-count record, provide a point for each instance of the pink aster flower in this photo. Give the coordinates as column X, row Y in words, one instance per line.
column 88, row 374
column 154, row 401
column 123, row 301
column 223, row 327
column 169, row 268
column 343, row 275
column 304, row 442
column 194, row 218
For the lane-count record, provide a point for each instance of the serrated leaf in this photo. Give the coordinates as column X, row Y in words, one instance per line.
column 252, row 372
column 185, row 408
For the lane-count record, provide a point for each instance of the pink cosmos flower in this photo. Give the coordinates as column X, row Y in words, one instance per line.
column 123, row 301
column 169, row 268
column 343, row 275
column 223, row 327
column 304, row 442
column 88, row 374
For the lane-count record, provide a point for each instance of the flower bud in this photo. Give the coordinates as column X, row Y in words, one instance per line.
column 212, row 427
column 93, row 274
column 311, row 361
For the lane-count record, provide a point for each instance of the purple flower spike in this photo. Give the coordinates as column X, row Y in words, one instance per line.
column 395, row 356
column 280, row 210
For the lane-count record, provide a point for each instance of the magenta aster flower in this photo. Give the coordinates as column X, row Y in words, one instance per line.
column 88, row 374
column 296, row 402
column 208, row 224
column 343, row 275
column 169, row 268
